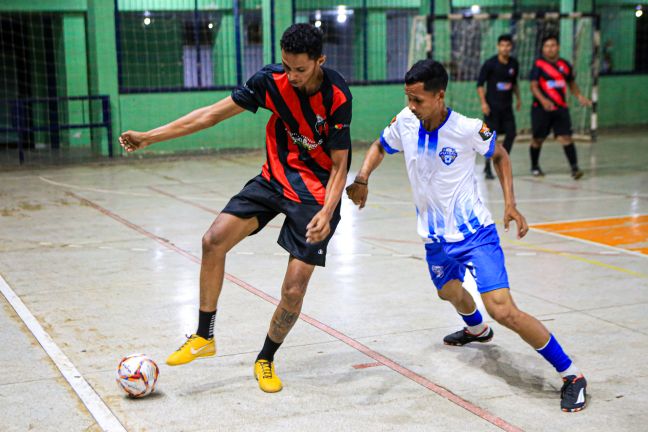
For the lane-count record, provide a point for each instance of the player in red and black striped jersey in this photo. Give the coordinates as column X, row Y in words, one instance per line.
column 308, row 146
column 550, row 76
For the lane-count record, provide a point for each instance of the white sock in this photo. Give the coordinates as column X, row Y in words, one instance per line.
column 478, row 329
column 571, row 370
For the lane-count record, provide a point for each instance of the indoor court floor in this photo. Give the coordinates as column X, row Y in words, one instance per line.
column 102, row 260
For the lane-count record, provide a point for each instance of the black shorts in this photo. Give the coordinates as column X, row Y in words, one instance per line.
column 259, row 199
column 542, row 122
column 501, row 120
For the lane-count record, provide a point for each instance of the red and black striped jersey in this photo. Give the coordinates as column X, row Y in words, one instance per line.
column 302, row 130
column 553, row 79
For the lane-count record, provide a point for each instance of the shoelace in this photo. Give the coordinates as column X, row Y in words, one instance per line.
column 568, row 389
column 189, row 339
column 266, row 369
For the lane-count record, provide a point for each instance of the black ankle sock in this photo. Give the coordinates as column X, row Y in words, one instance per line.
column 206, row 324
column 535, row 156
column 269, row 349
column 487, row 166
column 570, row 152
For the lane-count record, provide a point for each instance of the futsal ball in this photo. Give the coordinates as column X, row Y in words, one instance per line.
column 137, row 375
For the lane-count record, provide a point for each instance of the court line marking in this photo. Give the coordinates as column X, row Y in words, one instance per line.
column 633, row 215
column 407, row 373
column 119, row 192
column 366, row 365
column 589, row 242
column 518, row 242
column 183, row 200
column 104, row 417
column 578, row 258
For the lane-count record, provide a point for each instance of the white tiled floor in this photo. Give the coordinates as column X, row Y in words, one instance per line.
column 103, row 290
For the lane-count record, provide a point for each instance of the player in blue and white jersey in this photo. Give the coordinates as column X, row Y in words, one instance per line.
column 439, row 147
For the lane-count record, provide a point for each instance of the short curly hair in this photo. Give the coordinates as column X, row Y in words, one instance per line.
column 303, row 38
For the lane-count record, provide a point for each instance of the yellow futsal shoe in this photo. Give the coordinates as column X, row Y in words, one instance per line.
column 195, row 347
column 264, row 372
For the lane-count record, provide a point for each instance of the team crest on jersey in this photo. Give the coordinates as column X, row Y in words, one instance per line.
column 448, row 155
column 485, row 132
column 321, row 126
column 437, row 270
column 512, row 71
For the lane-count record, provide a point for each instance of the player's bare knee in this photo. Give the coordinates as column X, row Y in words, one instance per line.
column 212, row 242
column 451, row 292
column 293, row 294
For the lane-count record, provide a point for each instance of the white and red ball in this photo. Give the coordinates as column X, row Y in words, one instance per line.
column 137, row 375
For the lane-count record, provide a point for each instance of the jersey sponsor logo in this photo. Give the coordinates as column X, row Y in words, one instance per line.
column 448, row 155
column 553, row 84
column 304, row 141
column 437, row 270
column 341, row 126
column 485, row 132
column 504, row 86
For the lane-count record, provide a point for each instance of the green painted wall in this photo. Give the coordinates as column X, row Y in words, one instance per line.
column 146, row 111
column 620, row 101
column 374, row 107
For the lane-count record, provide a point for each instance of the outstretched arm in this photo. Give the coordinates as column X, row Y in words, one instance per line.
column 195, row 121
column 359, row 190
column 503, row 167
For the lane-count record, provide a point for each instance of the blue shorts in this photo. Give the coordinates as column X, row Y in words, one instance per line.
column 480, row 253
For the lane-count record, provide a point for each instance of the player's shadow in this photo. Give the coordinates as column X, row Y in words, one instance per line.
column 513, row 369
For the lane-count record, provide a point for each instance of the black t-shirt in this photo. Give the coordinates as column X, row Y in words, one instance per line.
column 500, row 79
column 302, row 130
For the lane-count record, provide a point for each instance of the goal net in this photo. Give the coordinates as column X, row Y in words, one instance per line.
column 463, row 42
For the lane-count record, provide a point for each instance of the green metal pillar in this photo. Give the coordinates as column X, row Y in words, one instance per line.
column 441, row 37
column 376, row 44
column 102, row 58
column 277, row 17
column 76, row 76
column 224, row 52
column 567, row 31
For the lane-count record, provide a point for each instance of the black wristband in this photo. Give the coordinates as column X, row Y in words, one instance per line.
column 361, row 183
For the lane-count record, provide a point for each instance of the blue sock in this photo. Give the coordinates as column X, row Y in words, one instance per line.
column 554, row 354
column 475, row 322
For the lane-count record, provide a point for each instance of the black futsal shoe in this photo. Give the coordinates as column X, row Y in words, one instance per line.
column 573, row 393
column 463, row 337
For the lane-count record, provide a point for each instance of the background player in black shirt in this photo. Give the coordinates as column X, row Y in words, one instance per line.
column 308, row 145
column 500, row 74
column 550, row 76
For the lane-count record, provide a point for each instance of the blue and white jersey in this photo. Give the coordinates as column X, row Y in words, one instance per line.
column 441, row 165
